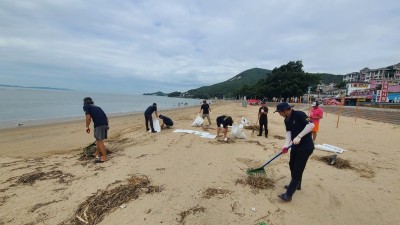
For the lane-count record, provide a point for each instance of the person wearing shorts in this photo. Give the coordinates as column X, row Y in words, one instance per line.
column 315, row 115
column 100, row 124
column 222, row 124
column 205, row 107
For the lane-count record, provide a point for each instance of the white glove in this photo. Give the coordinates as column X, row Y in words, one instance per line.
column 296, row 140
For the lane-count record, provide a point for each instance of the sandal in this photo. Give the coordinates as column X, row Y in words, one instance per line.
column 98, row 160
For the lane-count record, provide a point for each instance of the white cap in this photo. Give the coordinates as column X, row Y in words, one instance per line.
column 314, row 104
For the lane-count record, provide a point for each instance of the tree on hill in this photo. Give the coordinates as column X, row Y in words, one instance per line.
column 286, row 81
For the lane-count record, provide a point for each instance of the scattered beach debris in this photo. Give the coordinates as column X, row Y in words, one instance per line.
column 235, row 206
column 95, row 208
column 335, row 161
column 279, row 137
column 193, row 210
column 228, row 141
column 19, row 124
column 252, row 127
column 31, row 178
column 253, row 209
column 40, row 205
column 219, row 192
column 257, row 182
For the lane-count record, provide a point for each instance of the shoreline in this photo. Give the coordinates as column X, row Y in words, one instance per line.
column 40, row 122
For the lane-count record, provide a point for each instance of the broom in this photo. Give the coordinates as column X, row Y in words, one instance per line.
column 260, row 171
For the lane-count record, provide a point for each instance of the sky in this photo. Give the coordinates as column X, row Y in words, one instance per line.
column 144, row 46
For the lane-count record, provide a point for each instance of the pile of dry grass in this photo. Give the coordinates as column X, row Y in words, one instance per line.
column 257, row 182
column 193, row 210
column 335, row 161
column 211, row 192
column 95, row 208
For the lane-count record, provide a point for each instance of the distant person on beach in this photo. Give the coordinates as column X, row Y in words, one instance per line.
column 315, row 115
column 100, row 123
column 206, row 111
column 298, row 133
column 223, row 122
column 166, row 121
column 263, row 119
column 149, row 118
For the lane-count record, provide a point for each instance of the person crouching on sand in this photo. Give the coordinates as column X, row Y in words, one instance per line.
column 166, row 121
column 100, row 123
column 222, row 124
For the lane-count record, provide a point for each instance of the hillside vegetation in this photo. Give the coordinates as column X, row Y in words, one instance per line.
column 257, row 82
column 230, row 87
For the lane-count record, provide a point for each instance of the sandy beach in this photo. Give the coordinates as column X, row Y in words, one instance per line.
column 180, row 178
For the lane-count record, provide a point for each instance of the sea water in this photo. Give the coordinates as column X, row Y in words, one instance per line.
column 37, row 106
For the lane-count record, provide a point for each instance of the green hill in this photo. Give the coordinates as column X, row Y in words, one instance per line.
column 227, row 88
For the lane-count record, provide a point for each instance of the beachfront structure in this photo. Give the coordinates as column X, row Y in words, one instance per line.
column 391, row 73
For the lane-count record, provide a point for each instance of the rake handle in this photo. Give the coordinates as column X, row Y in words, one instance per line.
column 276, row 156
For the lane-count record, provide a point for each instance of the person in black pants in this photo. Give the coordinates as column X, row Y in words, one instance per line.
column 166, row 121
column 149, row 118
column 263, row 119
column 298, row 133
column 222, row 124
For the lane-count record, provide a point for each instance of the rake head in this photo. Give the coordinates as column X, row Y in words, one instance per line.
column 256, row 172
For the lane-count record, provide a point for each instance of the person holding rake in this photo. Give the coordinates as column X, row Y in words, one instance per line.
column 298, row 131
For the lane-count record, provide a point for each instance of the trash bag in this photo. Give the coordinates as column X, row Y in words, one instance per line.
column 156, row 125
column 198, row 121
column 245, row 121
column 237, row 131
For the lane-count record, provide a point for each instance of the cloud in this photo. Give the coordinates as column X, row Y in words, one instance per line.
column 144, row 46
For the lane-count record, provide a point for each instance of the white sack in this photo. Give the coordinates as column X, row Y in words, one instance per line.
column 237, row 131
column 245, row 121
column 156, row 125
column 198, row 121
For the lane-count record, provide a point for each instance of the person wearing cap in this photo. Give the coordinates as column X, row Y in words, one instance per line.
column 149, row 118
column 316, row 114
column 206, row 111
column 166, row 121
column 100, row 124
column 298, row 136
column 223, row 122
column 263, row 119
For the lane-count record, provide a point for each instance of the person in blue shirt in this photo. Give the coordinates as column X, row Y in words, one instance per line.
column 149, row 118
column 166, row 121
column 298, row 135
column 100, row 124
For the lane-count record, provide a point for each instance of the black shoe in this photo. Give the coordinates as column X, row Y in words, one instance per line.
column 259, row 135
column 298, row 187
column 147, row 129
column 285, row 197
column 153, row 131
column 266, row 136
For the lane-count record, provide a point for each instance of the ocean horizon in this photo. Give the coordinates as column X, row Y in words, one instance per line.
column 41, row 106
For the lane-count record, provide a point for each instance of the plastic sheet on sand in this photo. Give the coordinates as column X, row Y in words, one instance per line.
column 198, row 133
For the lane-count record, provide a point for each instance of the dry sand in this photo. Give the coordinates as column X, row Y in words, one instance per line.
column 194, row 180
